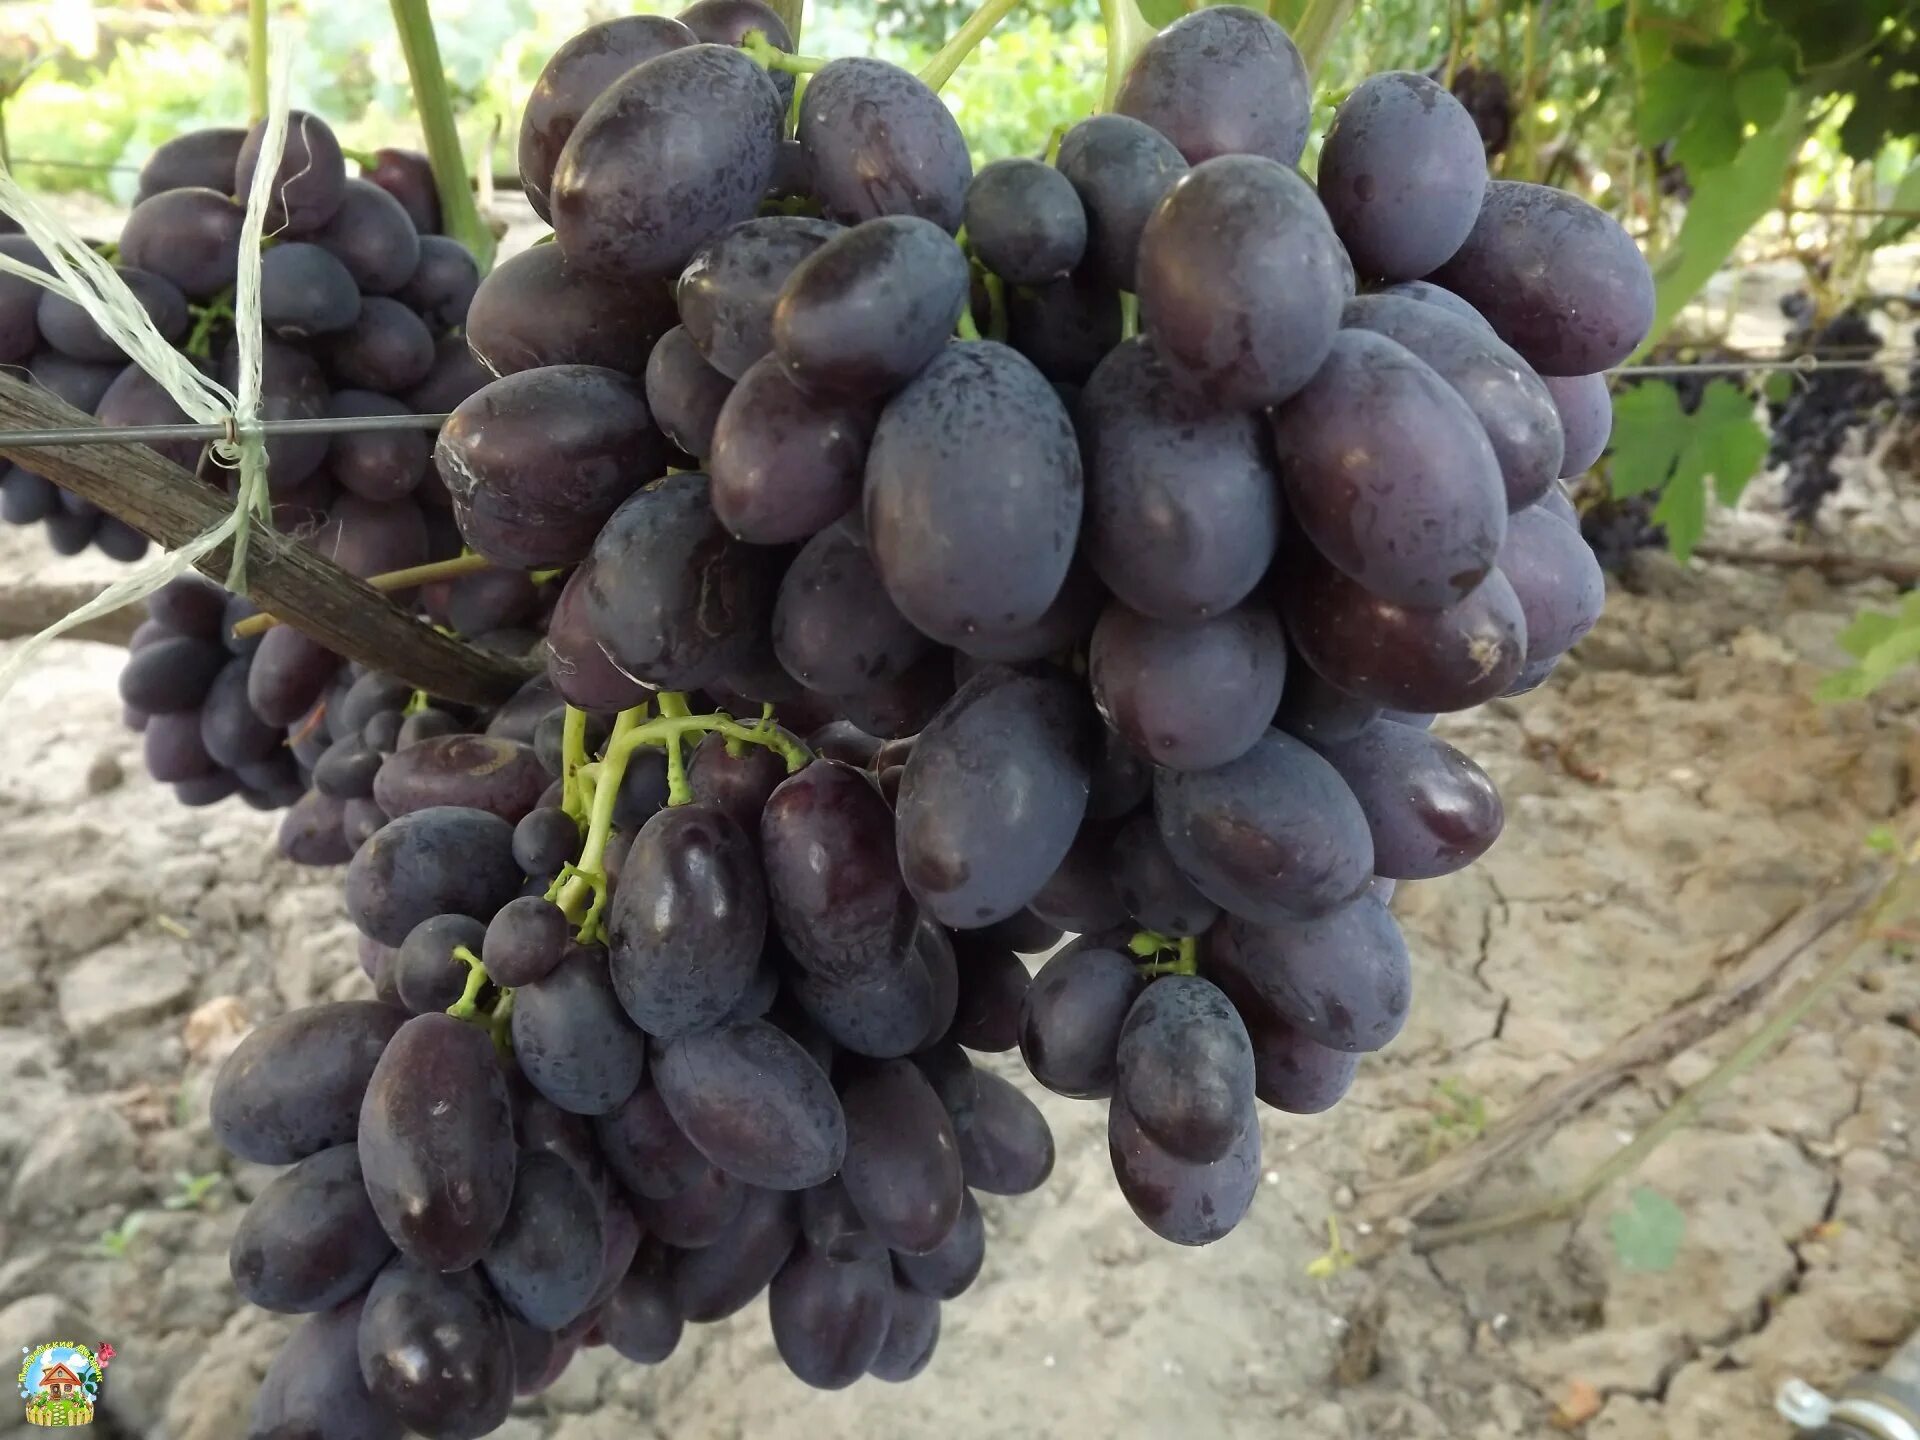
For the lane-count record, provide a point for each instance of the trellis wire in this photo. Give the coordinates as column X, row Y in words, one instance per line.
column 365, row 424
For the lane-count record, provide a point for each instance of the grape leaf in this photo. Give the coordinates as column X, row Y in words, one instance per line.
column 1760, row 95
column 1647, row 1234
column 1883, row 644
column 1656, row 445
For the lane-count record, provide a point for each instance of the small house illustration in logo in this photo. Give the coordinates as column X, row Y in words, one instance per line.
column 60, row 1381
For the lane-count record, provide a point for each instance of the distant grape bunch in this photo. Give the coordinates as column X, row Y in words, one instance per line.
column 361, row 298
column 926, row 602
column 1819, row 410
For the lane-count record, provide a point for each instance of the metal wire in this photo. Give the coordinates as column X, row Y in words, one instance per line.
column 366, row 424
column 147, row 434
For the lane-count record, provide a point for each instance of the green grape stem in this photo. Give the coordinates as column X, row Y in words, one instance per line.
column 467, row 1007
column 1128, row 31
column 771, row 57
column 937, row 71
column 581, row 890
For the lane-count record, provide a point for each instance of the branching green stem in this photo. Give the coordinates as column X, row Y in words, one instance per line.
column 965, row 328
column 1162, row 955
column 772, row 57
column 467, row 1006
column 1129, row 315
column 573, row 755
column 581, row 889
column 937, row 71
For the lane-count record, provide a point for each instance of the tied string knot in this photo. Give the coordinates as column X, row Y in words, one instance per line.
column 81, row 275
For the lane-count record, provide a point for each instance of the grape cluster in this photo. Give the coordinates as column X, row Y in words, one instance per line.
column 1125, row 613
column 362, row 301
column 1812, row 419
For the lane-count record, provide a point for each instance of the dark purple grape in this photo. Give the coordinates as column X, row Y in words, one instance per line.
column 834, row 887
column 1225, row 80
column 946, row 1272
column 310, row 182
column 1120, row 169
column 310, row 1240
column 381, row 465
column 436, row 1141
column 1343, row 980
column 687, row 921
column 1295, row 1074
column 878, row 142
column 1376, row 651
column 1071, row 1020
column 753, row 1103
column 444, row 860
column 426, row 974
column 173, row 750
column 172, row 674
column 476, row 772
column 442, row 286
column 528, row 938
column 1080, row 896
column 387, row 348
column 685, row 393
column 736, row 786
column 834, row 629
column 670, row 154
column 190, row 237
column 642, row 1320
column 993, row 992
column 1119, row 779
column 1240, row 281
column 1558, row 580
column 573, row 1041
column 1390, row 474
column 913, row 1330
column 346, row 771
column 832, row 1226
column 456, row 374
column 1185, row 1201
column 1150, row 884
column 539, row 309
column 865, row 312
column 1184, row 1069
column 373, row 236
column 726, row 294
column 573, row 79
column 198, row 159
column 1183, row 505
column 536, row 462
column 1512, row 404
column 1025, row 221
column 434, row 1350
column 895, row 1012
column 1005, row 1146
column 729, row 22
column 1558, row 280
column 544, row 1262
column 829, row 1317
column 1432, row 811
column 673, row 599
column 785, row 465
column 973, row 494
column 578, row 667
column 66, row 325
column 313, row 1387
column 1402, row 173
column 1273, row 834
column 993, row 795
column 645, row 1149
column 712, row 1283
column 1190, row 697
column 902, row 1168
column 311, row 832
column 407, row 175
column 293, row 1086
column 1065, row 327
column 1586, row 419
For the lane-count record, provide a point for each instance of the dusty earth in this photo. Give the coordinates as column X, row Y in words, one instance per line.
column 1672, row 795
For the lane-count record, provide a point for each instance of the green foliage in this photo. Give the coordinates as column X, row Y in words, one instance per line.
column 1647, row 1234
column 190, row 1192
column 1658, row 446
column 1881, row 645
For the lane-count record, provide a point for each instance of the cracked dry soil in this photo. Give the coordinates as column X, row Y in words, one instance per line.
column 1670, row 796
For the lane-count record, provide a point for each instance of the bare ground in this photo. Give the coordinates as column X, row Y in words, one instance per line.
column 1672, row 795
